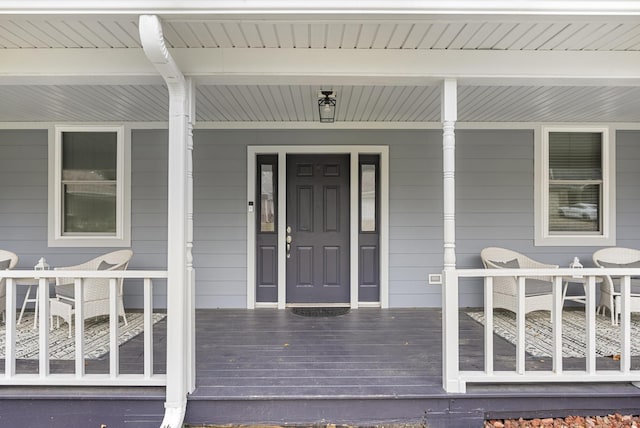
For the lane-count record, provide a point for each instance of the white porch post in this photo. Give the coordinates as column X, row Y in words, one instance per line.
column 450, row 337
column 178, row 245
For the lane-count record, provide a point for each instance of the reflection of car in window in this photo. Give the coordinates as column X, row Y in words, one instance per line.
column 581, row 210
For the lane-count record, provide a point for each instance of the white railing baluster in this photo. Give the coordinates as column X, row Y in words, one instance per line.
column 590, row 374
column 148, row 328
column 590, row 320
column 488, row 325
column 10, row 325
column 43, row 301
column 556, row 324
column 114, row 320
column 79, row 324
column 520, row 331
column 42, row 375
column 625, row 327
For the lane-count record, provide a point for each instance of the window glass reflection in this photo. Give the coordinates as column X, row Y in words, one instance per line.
column 267, row 201
column 368, row 198
column 89, row 188
column 575, row 182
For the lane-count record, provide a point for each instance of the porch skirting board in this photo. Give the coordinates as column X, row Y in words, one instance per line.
column 61, row 347
column 539, row 338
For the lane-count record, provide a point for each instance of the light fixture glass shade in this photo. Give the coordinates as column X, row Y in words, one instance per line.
column 327, row 106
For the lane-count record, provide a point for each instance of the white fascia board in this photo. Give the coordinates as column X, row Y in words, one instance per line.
column 437, row 64
column 559, row 7
column 40, row 63
column 358, row 67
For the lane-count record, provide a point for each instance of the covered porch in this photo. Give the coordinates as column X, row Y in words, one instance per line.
column 457, row 100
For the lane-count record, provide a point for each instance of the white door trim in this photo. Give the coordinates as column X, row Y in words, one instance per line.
column 353, row 151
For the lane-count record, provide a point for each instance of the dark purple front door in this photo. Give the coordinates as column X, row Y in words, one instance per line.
column 318, row 228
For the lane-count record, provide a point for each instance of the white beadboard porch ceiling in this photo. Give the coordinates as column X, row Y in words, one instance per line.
column 267, row 102
column 506, row 33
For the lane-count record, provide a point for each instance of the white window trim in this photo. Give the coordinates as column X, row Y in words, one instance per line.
column 122, row 238
column 542, row 235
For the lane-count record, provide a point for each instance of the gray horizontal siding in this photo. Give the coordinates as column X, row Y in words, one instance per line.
column 23, row 194
column 628, row 188
column 220, row 208
column 494, row 203
column 494, row 197
column 24, row 204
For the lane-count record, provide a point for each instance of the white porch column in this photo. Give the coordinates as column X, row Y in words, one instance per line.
column 191, row 273
column 178, row 248
column 450, row 334
column 449, row 116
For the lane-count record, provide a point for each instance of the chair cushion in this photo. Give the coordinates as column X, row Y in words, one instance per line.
column 534, row 287
column 106, row 266
column 635, row 264
column 635, row 283
column 635, row 286
column 4, row 264
column 509, row 264
column 66, row 290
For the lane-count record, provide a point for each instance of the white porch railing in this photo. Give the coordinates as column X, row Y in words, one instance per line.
column 455, row 380
column 43, row 376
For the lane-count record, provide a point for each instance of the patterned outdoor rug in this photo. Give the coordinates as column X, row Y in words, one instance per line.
column 62, row 348
column 539, row 340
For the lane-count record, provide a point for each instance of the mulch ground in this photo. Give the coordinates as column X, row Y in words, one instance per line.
column 609, row 421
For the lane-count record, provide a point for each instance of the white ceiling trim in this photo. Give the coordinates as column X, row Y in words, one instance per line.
column 336, row 125
column 574, row 7
column 317, row 66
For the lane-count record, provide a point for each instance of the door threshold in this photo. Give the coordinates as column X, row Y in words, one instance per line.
column 318, row 305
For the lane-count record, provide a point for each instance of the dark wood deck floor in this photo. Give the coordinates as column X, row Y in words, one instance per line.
column 369, row 366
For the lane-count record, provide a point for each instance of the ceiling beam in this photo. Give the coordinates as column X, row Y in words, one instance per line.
column 328, row 66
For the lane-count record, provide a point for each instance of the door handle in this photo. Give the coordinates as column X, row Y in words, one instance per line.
column 289, row 239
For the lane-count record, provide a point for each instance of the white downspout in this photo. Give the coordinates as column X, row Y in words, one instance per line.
column 178, row 355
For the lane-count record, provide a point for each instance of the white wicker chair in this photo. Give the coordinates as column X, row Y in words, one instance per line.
column 8, row 260
column 617, row 257
column 96, row 290
column 538, row 294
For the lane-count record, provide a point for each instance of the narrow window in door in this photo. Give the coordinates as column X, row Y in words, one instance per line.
column 267, row 237
column 369, row 233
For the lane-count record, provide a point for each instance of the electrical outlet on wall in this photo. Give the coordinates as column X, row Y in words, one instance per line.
column 435, row 279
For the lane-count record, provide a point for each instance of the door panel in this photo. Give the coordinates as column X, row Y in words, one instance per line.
column 318, row 215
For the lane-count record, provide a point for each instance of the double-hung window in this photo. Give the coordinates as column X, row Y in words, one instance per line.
column 89, row 193
column 576, row 198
